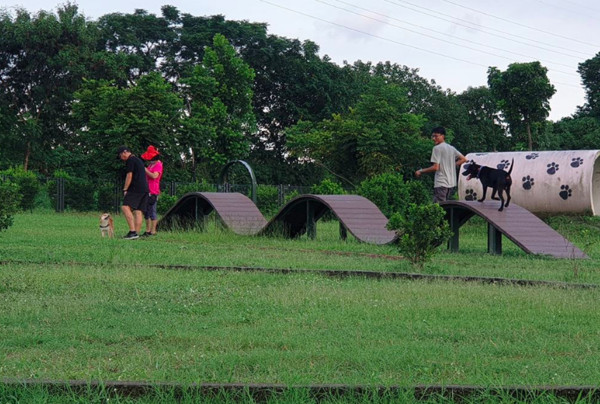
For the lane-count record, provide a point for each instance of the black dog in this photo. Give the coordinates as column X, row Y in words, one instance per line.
column 499, row 180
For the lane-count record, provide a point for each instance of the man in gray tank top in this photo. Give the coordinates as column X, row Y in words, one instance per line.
column 444, row 158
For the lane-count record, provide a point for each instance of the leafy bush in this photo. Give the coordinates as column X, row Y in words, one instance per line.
column 10, row 199
column 290, row 195
column 391, row 194
column 184, row 188
column 420, row 231
column 327, row 187
column 267, row 199
column 28, row 183
column 165, row 202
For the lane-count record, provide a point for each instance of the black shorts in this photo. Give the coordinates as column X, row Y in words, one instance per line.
column 136, row 200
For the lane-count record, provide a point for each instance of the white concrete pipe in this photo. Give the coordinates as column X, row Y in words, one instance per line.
column 545, row 182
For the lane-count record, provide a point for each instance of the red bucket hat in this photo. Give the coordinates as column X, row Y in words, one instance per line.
column 150, row 153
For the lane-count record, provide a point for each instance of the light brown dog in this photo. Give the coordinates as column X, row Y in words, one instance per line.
column 107, row 227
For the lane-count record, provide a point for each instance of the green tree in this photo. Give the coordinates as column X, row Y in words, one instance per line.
column 590, row 77
column 43, row 58
column 137, row 116
column 135, row 44
column 523, row 95
column 377, row 135
column 487, row 134
column 219, row 116
column 575, row 134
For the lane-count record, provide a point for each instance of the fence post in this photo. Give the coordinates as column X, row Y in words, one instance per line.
column 280, row 195
column 60, row 195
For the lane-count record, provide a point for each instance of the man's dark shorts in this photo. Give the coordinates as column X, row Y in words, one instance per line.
column 441, row 194
column 136, row 200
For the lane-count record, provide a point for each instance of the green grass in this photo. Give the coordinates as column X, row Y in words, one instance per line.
column 75, row 306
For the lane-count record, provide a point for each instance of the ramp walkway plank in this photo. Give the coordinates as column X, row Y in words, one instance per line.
column 519, row 225
column 235, row 211
column 356, row 214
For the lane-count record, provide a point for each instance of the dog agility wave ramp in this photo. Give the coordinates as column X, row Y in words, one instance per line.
column 356, row 214
column 521, row 226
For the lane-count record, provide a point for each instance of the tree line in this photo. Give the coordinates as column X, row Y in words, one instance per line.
column 205, row 90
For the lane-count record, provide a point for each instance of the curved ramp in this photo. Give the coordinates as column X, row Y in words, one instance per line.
column 235, row 211
column 356, row 215
column 519, row 225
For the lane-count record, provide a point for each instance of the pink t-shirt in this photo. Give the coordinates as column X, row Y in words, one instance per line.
column 154, row 183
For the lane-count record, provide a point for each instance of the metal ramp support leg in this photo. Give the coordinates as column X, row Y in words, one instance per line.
column 311, row 225
column 454, row 226
column 494, row 240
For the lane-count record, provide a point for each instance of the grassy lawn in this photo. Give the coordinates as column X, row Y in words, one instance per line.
column 76, row 306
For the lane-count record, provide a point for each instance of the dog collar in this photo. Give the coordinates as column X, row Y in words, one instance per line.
column 104, row 227
column 479, row 171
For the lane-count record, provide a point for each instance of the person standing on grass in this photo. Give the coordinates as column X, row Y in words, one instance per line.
column 154, row 173
column 445, row 159
column 135, row 192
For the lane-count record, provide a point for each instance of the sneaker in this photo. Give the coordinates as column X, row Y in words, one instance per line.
column 146, row 234
column 132, row 235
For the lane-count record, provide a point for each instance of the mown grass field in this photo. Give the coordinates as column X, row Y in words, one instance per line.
column 79, row 307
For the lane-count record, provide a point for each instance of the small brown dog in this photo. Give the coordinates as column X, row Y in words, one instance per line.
column 107, row 227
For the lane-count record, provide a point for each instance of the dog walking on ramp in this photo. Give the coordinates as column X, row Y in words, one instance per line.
column 499, row 180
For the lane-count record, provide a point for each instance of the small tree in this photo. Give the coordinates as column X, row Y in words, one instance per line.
column 420, row 231
column 9, row 203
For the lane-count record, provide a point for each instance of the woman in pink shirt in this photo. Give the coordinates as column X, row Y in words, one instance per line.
column 154, row 173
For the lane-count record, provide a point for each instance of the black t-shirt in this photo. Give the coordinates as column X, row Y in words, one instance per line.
column 138, row 180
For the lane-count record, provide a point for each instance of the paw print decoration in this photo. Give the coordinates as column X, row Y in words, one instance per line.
column 565, row 192
column 576, row 162
column 527, row 182
column 470, row 195
column 532, row 156
column 552, row 168
column 504, row 164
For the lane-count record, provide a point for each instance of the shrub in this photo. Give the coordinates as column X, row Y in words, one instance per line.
column 186, row 187
column 165, row 202
column 387, row 191
column 267, row 199
column 10, row 199
column 28, row 183
column 327, row 187
column 420, row 231
column 391, row 194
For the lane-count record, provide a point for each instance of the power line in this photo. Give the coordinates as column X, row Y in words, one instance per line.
column 387, row 39
column 454, row 19
column 439, row 32
column 570, row 9
column 374, row 36
column 519, row 24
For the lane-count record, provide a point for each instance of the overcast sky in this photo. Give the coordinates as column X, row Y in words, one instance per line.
column 450, row 41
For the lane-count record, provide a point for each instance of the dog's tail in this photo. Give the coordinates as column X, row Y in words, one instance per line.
column 511, row 166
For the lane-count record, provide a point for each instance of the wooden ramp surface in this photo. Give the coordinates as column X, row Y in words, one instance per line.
column 356, row 214
column 522, row 227
column 236, row 211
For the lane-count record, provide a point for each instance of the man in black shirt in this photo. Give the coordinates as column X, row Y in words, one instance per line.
column 135, row 192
